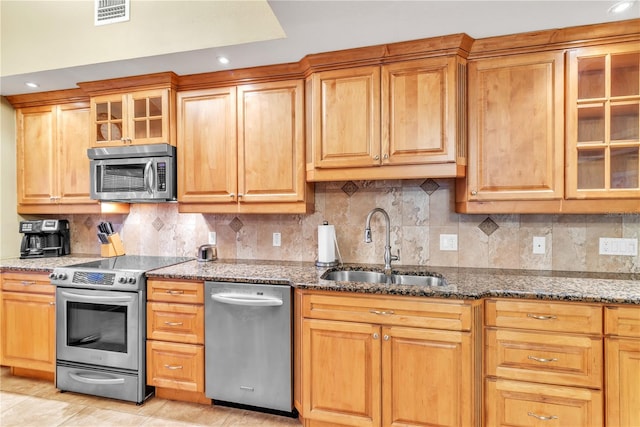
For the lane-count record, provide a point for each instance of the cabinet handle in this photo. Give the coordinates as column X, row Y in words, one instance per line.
column 27, row 283
column 542, row 359
column 174, row 292
column 542, row 417
column 382, row 313
column 173, row 367
column 541, row 317
column 375, row 336
column 178, row 324
column 386, row 338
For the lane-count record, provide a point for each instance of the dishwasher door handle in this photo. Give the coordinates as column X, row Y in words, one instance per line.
column 244, row 299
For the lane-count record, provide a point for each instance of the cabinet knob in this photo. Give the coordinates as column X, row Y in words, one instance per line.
column 232, row 195
column 386, row 156
column 386, row 338
column 474, row 193
column 376, row 157
column 375, row 336
column 240, row 195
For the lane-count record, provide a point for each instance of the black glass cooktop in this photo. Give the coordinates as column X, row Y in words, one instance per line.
column 132, row 263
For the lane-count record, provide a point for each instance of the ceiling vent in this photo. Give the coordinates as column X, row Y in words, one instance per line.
column 111, row 11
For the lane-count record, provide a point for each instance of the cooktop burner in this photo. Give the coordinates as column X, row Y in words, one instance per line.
column 131, row 263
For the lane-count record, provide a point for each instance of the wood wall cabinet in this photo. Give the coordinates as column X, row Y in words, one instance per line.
column 516, row 128
column 27, row 324
column 398, row 120
column 543, row 363
column 175, row 339
column 622, row 372
column 241, row 149
column 603, row 122
column 372, row 361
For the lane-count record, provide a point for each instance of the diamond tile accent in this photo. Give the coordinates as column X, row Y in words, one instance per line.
column 488, row 226
column 429, row 186
column 88, row 223
column 235, row 224
column 157, row 224
column 350, row 188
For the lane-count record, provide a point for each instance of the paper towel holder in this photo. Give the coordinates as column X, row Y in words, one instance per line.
column 334, row 263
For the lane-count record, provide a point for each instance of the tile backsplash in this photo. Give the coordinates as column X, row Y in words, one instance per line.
column 420, row 211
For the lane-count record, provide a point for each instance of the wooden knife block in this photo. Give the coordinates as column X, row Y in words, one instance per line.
column 113, row 248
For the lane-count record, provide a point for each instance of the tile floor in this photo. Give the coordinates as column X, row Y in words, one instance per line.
column 36, row 403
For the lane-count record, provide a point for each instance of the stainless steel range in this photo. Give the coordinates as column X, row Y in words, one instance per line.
column 101, row 326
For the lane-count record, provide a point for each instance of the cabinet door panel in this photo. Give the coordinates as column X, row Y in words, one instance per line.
column 516, row 133
column 346, row 117
column 341, row 365
column 426, row 377
column 207, row 158
column 74, row 139
column 419, row 111
column 28, row 331
column 36, row 154
column 622, row 389
column 271, row 142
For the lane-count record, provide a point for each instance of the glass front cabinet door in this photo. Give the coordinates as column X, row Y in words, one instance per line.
column 603, row 122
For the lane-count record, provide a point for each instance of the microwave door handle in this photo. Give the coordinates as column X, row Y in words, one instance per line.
column 148, row 177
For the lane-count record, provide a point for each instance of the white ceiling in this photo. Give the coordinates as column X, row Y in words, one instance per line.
column 244, row 31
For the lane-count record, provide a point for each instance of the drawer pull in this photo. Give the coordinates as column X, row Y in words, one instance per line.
column 180, row 324
column 174, row 292
column 173, row 367
column 542, row 417
column 381, row 313
column 541, row 317
column 542, row 359
column 27, row 283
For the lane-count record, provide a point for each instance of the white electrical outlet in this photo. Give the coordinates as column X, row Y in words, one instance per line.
column 212, row 237
column 539, row 245
column 614, row 246
column 448, row 242
column 277, row 239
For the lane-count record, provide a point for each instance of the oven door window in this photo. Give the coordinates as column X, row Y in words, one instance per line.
column 97, row 326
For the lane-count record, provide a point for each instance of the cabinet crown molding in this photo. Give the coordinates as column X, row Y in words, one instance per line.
column 167, row 79
column 55, row 97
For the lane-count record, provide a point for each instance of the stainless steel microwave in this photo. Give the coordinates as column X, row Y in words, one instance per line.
column 135, row 173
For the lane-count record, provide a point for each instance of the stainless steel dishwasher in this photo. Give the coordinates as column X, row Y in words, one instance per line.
column 248, row 345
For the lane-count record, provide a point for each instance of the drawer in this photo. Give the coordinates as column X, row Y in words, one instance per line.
column 622, row 321
column 512, row 403
column 544, row 316
column 178, row 366
column 180, row 291
column 396, row 310
column 27, row 282
column 175, row 322
column 574, row 360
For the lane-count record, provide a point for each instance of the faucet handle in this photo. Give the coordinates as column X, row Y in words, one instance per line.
column 396, row 257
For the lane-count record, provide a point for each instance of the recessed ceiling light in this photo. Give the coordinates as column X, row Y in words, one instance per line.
column 223, row 60
column 32, row 85
column 621, row 6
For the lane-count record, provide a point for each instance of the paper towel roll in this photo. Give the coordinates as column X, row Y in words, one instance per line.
column 326, row 243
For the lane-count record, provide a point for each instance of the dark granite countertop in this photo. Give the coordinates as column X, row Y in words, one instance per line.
column 462, row 283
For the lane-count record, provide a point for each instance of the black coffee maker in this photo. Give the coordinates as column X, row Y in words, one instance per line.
column 44, row 238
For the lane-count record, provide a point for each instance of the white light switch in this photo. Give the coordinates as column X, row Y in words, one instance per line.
column 539, row 245
column 448, row 242
column 212, row 237
column 277, row 239
column 614, row 246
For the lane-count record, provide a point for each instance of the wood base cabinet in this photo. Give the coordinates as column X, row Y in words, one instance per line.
column 375, row 362
column 27, row 323
column 622, row 375
column 175, row 339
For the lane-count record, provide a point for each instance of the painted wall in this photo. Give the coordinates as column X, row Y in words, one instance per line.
column 9, row 236
column 417, row 220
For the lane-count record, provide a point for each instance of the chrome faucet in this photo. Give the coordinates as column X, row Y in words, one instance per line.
column 387, row 248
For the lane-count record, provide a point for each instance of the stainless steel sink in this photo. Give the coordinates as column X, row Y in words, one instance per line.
column 355, row 276
column 367, row 276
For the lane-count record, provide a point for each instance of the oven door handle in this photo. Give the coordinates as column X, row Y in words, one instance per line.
column 149, row 177
column 96, row 298
column 101, row 381
column 244, row 299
